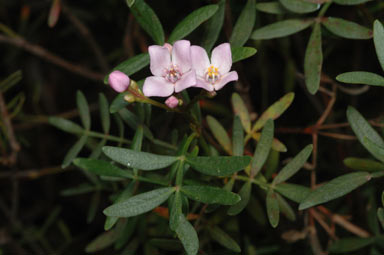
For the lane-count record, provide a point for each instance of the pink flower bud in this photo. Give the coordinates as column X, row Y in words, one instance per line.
column 172, row 102
column 119, row 81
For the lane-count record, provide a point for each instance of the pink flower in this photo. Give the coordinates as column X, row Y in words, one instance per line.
column 172, row 102
column 213, row 75
column 172, row 69
column 119, row 81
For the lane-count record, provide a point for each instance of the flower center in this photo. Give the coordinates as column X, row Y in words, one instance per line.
column 173, row 74
column 212, row 75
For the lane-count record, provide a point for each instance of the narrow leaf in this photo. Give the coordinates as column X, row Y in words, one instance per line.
column 335, row 188
column 263, row 148
column 213, row 27
column 347, row 29
column 276, row 144
column 101, row 167
column 210, row 195
column 138, row 159
column 10, row 81
column 361, row 77
column 139, row 204
column 175, row 211
column 300, row 6
column 350, row 2
column 83, row 107
column 54, row 13
column 219, row 133
column 65, row 125
column 148, row 20
column 294, row 165
column 378, row 39
column 223, row 239
column 313, row 60
column 363, row 129
column 188, row 236
column 292, row 191
column 285, row 208
column 273, row 210
column 274, row 111
column 118, row 103
column 374, row 147
column 240, row 53
column 271, row 7
column 72, row 153
column 245, row 193
column 281, row 29
column 244, row 25
column 192, row 21
column 237, row 137
column 363, row 164
column 102, row 241
column 241, row 110
column 218, row 165
column 380, row 216
column 131, row 65
column 104, row 113
column 130, row 3
column 350, row 244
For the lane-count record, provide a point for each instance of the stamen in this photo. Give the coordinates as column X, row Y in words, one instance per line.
column 212, row 75
column 172, row 74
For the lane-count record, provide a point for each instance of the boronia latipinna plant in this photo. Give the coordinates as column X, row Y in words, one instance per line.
column 196, row 180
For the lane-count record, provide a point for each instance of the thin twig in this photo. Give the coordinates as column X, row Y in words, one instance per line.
column 50, row 57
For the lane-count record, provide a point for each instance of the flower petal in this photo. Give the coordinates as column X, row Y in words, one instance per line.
column 160, row 59
column 187, row 80
column 200, row 60
column 157, row 87
column 231, row 76
column 172, row 102
column 222, row 58
column 201, row 83
column 181, row 55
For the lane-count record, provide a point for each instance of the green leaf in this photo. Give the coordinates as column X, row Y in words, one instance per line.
column 346, row 29
column 213, row 27
column 118, row 103
column 271, row 8
column 274, row 111
column 188, row 236
column 138, row 159
column 148, row 20
column 83, row 107
column 378, row 39
column 219, row 133
column 65, row 125
column 350, row 2
column 175, row 211
column 130, row 3
column 192, row 21
column 300, row 6
column 276, row 144
column 104, row 113
column 80, row 189
column 54, row 13
column 241, row 110
column 245, row 193
column 126, row 234
column 281, row 29
column 240, row 53
column 350, row 244
column 131, row 65
column 361, row 77
column 72, row 153
column 237, row 137
column 139, row 204
column 335, row 188
column 273, row 209
column 292, row 191
column 101, row 167
column 263, row 147
column 285, row 208
column 210, row 195
column 223, row 239
column 244, row 25
column 10, row 81
column 377, row 149
column 294, row 165
column 363, row 164
column 313, row 60
column 363, row 129
column 218, row 165
column 102, row 241
column 93, row 206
